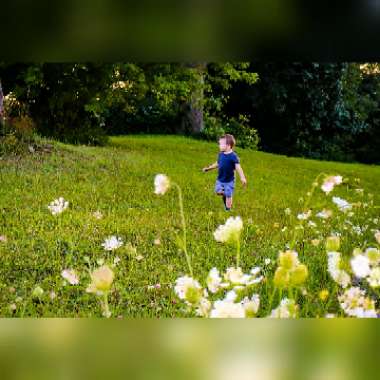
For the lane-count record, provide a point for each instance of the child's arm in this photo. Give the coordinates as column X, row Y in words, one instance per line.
column 211, row 167
column 239, row 169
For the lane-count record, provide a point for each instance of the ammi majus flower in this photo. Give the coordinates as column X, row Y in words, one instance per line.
column 58, row 206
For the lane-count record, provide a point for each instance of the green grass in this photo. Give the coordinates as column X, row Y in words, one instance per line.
column 118, row 181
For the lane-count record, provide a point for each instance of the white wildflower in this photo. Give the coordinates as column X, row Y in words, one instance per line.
column 58, row 206
column 304, row 215
column 330, row 182
column 214, row 280
column 97, row 215
column 204, row 307
column 286, row 309
column 355, row 304
column 342, row 204
column 374, row 277
column 230, row 296
column 111, row 243
column 236, row 276
column 227, row 309
column 230, row 230
column 188, row 289
column 324, row 214
column 71, row 276
column 340, row 276
column 161, row 184
column 251, row 306
column 360, row 266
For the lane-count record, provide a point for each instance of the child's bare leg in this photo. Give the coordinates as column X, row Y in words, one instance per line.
column 228, row 202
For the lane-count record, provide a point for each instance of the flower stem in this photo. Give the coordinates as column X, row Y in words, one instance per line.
column 106, row 311
column 184, row 228
column 237, row 252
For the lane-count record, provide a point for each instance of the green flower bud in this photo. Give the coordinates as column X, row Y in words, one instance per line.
column 299, row 275
column 333, row 244
column 281, row 277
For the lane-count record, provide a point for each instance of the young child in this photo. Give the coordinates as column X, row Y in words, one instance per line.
column 227, row 163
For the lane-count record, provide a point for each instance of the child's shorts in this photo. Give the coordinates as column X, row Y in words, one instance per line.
column 226, row 187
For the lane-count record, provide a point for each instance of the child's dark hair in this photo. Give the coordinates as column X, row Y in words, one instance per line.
column 230, row 140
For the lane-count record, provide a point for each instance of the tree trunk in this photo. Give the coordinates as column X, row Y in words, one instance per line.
column 192, row 110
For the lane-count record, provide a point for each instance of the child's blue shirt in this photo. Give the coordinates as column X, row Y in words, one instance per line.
column 226, row 166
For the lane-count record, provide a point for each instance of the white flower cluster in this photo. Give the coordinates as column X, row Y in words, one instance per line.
column 330, row 182
column 161, row 184
column 287, row 309
column 57, row 206
column 71, row 276
column 355, row 304
column 339, row 275
column 366, row 265
column 304, row 215
column 231, row 284
column 324, row 214
column 342, row 204
column 230, row 231
column 111, row 243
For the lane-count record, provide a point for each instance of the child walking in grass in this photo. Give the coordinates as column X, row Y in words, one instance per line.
column 228, row 162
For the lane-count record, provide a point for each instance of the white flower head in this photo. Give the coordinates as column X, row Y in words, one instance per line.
column 251, row 306
column 227, row 309
column 58, row 206
column 374, row 278
column 70, row 276
column 204, row 308
column 355, row 304
column 304, row 215
column 324, row 214
column 330, row 182
column 161, row 184
column 287, row 309
column 236, row 276
column 188, row 289
column 101, row 280
column 214, row 280
column 342, row 204
column 339, row 275
column 360, row 266
column 111, row 243
column 230, row 231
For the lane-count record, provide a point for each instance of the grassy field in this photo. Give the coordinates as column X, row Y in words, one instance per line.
column 117, row 181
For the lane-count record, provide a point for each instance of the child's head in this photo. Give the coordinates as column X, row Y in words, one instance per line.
column 226, row 142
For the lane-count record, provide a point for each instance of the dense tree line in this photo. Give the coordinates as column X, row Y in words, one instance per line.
column 327, row 111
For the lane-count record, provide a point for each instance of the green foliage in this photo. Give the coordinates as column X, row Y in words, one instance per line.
column 246, row 136
column 59, row 97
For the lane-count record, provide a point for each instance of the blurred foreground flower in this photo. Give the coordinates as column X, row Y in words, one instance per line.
column 101, row 282
column 70, row 276
column 230, row 231
column 330, row 182
column 161, row 184
column 287, row 309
